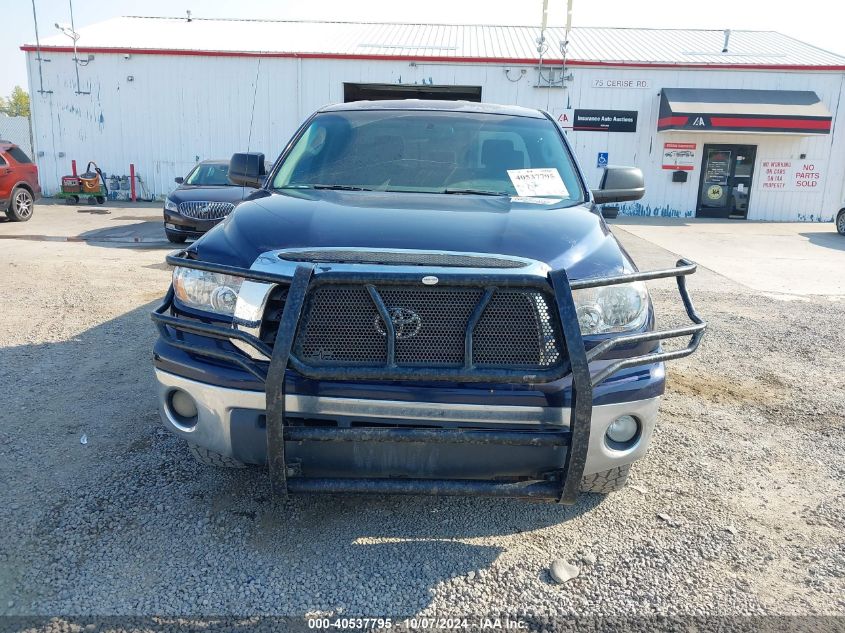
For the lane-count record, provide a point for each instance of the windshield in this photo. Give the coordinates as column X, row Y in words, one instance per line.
column 431, row 152
column 209, row 174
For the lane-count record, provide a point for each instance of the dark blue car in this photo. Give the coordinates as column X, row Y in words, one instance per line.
column 203, row 198
column 420, row 297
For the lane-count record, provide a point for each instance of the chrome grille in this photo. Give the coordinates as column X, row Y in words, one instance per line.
column 341, row 325
column 204, row 210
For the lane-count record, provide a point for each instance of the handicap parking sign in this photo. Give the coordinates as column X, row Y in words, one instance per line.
column 602, row 160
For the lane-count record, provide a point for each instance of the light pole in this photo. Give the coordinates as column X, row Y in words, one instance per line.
column 73, row 35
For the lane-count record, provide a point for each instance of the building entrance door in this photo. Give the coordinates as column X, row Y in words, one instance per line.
column 726, row 175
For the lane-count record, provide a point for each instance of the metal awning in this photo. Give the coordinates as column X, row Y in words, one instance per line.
column 748, row 111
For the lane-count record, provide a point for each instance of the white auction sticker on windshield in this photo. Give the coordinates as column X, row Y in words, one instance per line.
column 537, row 182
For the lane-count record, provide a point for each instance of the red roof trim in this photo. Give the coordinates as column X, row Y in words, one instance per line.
column 746, row 124
column 418, row 58
column 796, row 123
column 670, row 121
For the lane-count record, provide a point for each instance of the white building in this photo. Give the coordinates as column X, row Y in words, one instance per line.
column 745, row 123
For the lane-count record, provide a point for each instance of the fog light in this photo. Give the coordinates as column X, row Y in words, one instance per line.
column 167, row 225
column 623, row 429
column 183, row 406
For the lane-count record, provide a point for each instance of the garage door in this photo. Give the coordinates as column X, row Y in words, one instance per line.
column 378, row 92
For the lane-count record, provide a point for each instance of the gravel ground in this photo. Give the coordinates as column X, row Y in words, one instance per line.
column 739, row 507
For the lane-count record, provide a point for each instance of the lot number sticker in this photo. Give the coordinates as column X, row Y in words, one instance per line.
column 537, row 182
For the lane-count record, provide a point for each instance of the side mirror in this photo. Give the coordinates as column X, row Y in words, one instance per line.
column 620, row 184
column 609, row 212
column 179, row 180
column 247, row 169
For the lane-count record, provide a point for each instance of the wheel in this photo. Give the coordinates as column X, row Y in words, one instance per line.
column 175, row 238
column 210, row 458
column 100, row 199
column 21, row 205
column 606, row 481
column 840, row 222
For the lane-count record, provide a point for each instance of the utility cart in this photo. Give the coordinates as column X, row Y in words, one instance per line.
column 91, row 185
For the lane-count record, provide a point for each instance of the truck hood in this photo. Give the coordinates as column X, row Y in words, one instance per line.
column 575, row 237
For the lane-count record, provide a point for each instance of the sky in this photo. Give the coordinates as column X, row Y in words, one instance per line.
column 819, row 22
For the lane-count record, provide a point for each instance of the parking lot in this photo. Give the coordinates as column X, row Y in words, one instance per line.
column 739, row 507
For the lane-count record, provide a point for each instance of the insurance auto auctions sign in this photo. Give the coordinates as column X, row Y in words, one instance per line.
column 596, row 120
column 779, row 174
column 605, row 120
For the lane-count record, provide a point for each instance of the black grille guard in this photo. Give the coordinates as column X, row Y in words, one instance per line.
column 561, row 486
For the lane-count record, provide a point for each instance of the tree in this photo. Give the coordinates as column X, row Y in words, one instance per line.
column 16, row 104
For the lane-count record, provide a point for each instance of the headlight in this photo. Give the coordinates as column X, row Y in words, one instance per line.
column 169, row 205
column 617, row 308
column 211, row 292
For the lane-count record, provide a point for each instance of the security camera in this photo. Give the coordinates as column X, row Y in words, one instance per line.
column 127, row 56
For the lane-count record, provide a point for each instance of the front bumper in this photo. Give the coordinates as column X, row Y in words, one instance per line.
column 232, row 422
column 189, row 227
column 355, row 453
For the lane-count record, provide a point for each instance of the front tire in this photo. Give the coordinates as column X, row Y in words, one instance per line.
column 21, row 205
column 175, row 238
column 606, row 481
column 840, row 222
column 210, row 458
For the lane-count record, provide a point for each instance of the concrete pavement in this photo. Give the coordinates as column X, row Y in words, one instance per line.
column 119, row 223
column 772, row 257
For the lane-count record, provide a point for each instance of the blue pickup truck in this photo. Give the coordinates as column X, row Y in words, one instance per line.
column 421, row 297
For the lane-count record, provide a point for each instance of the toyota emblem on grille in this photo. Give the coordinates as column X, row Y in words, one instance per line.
column 406, row 323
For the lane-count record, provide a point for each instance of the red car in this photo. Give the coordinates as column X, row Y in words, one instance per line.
column 19, row 188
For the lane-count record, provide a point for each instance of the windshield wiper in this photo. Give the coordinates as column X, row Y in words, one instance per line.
column 333, row 187
column 475, row 192
column 340, row 187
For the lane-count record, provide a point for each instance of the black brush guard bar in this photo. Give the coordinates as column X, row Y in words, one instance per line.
column 561, row 487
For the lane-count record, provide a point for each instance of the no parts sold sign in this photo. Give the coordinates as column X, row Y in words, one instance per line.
column 791, row 175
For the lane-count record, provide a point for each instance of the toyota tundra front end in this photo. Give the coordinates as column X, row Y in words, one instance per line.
column 421, row 298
